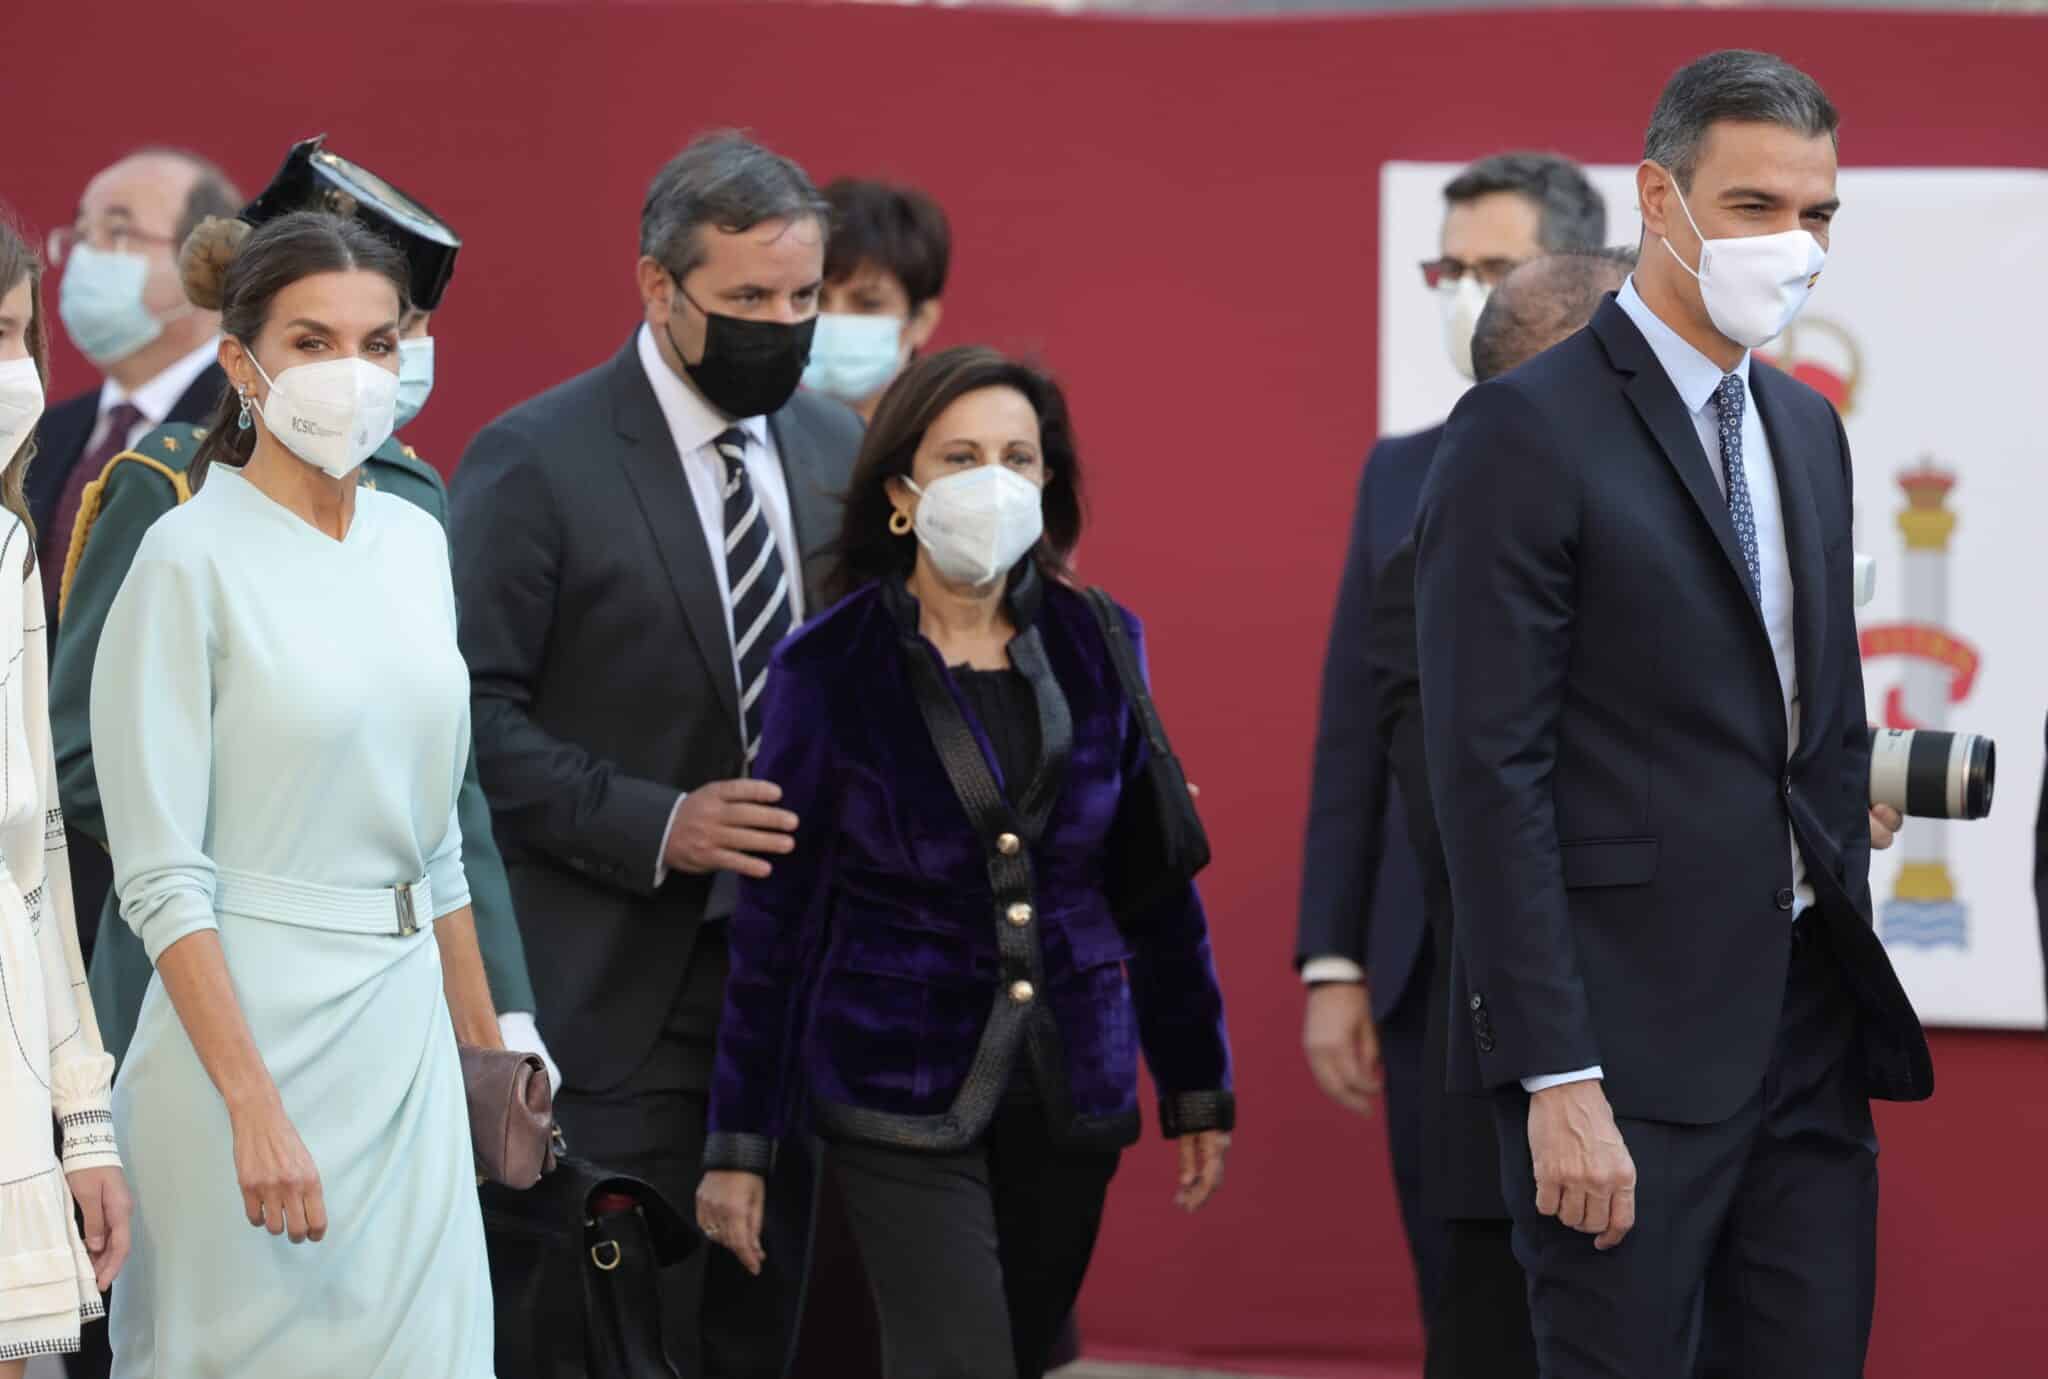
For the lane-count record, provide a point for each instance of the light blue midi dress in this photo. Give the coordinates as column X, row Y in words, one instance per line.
column 280, row 722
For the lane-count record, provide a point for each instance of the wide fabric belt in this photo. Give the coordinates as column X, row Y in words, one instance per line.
column 398, row 911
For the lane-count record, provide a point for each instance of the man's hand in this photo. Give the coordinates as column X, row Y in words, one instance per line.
column 718, row 827
column 1342, row 1045
column 1885, row 823
column 1584, row 1175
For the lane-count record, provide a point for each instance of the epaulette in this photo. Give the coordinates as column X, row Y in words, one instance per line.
column 166, row 451
column 398, row 455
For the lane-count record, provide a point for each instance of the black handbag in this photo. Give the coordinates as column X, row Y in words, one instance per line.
column 1157, row 843
column 575, row 1261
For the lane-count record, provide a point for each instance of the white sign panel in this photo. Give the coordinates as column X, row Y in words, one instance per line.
column 1925, row 331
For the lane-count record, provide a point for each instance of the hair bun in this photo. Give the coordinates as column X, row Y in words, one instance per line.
column 204, row 261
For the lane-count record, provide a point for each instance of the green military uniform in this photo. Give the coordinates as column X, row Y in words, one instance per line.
column 137, row 488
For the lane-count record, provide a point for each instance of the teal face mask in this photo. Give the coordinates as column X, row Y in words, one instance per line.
column 854, row 357
column 415, row 376
column 101, row 303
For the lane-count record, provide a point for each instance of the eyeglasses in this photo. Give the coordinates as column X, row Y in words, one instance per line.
column 1446, row 271
column 108, row 237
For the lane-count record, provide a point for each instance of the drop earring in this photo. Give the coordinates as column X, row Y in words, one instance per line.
column 242, row 422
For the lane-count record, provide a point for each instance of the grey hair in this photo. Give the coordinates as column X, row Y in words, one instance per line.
column 1571, row 213
column 1541, row 303
column 1736, row 84
column 727, row 181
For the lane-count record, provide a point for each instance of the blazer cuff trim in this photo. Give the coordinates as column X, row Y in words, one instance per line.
column 732, row 1152
column 1189, row 1113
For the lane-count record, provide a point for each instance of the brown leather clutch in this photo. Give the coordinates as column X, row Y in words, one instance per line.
column 511, row 1115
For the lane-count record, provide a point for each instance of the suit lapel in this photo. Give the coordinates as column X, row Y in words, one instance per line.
column 655, row 471
column 1657, row 402
column 813, row 509
column 1803, row 543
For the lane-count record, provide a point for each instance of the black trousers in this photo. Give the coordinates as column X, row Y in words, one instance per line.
column 718, row 1321
column 1754, row 1250
column 1403, row 1037
column 1481, row 1328
column 975, row 1258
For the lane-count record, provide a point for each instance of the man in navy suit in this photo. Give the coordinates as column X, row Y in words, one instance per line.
column 1643, row 715
column 1363, row 947
column 124, row 309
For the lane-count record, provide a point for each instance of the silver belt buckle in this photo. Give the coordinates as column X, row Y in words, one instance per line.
column 408, row 918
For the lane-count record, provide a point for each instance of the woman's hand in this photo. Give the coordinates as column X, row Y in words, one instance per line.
column 729, row 1213
column 103, row 1200
column 1201, row 1167
column 280, row 1184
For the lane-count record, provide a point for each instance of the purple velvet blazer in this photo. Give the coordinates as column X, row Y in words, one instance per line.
column 922, row 938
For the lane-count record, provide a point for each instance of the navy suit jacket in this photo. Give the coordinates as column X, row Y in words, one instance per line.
column 1606, row 737
column 601, row 684
column 1361, row 896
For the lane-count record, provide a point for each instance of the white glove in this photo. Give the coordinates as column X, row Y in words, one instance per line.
column 523, row 1036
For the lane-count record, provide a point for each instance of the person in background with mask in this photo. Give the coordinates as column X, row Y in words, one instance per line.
column 280, row 723
column 956, row 1009
column 885, row 272
column 158, row 473
column 630, row 546
column 123, row 308
column 1643, row 717
column 1363, row 947
column 54, row 1075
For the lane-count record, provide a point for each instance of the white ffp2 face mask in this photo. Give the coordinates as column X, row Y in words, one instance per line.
column 332, row 414
column 21, row 404
column 415, row 378
column 1461, row 302
column 976, row 525
column 1753, row 285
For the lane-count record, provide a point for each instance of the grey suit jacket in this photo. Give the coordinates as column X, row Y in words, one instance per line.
column 602, row 684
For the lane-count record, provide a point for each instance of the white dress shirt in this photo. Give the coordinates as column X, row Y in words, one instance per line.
column 694, row 424
column 1696, row 377
column 153, row 399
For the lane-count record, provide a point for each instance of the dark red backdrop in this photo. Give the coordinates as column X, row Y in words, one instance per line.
column 1182, row 217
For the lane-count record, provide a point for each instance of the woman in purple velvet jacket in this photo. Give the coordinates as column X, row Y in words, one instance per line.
column 932, row 977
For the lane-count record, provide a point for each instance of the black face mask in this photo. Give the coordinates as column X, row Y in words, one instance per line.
column 750, row 368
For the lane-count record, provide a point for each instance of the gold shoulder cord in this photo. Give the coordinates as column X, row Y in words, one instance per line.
column 89, row 511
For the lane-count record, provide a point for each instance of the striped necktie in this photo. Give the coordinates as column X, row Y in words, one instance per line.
column 758, row 584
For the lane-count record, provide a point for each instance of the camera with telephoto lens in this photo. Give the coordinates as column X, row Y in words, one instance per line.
column 1932, row 775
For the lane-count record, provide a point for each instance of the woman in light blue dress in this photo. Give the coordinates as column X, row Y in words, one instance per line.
column 281, row 720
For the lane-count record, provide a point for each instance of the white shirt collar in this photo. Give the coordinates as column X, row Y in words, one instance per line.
column 155, row 398
column 1693, row 374
column 693, row 422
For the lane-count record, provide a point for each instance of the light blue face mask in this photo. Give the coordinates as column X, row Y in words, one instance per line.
column 415, row 376
column 101, row 303
column 854, row 357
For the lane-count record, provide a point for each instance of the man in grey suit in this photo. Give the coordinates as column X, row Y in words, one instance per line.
column 629, row 546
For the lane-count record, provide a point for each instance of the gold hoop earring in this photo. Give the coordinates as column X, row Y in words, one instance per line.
column 899, row 523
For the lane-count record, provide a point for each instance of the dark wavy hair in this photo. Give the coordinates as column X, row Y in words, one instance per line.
column 230, row 268
column 867, row 550
column 19, row 263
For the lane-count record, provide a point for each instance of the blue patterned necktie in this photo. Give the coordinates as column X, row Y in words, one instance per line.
column 758, row 586
column 1729, row 400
